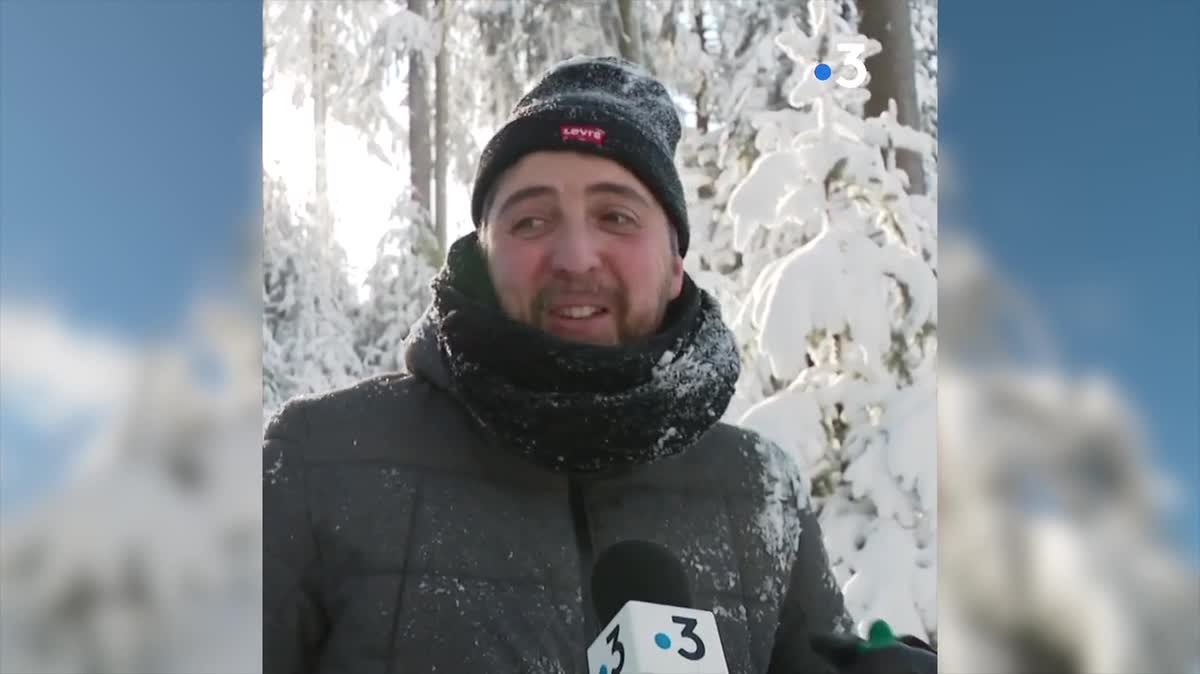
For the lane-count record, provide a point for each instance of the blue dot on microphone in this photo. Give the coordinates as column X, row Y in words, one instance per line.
column 823, row 71
column 662, row 641
column 603, row 669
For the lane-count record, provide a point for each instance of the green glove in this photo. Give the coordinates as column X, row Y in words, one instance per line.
column 881, row 653
column 879, row 636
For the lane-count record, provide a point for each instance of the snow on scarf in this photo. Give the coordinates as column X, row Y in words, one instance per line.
column 575, row 407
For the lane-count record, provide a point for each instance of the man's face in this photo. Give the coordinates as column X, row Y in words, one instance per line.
column 579, row 248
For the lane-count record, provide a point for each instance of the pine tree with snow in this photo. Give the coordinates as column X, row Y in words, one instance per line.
column 399, row 289
column 844, row 329
column 309, row 306
column 148, row 556
column 925, row 44
column 344, row 56
column 1089, row 580
column 723, row 63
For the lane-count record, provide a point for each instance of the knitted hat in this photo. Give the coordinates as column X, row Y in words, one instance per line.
column 603, row 106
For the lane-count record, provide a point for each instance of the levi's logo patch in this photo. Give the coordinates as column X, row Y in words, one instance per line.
column 588, row 134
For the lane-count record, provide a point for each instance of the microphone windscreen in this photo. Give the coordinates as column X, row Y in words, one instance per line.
column 637, row 571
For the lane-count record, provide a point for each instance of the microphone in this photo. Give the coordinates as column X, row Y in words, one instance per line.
column 641, row 596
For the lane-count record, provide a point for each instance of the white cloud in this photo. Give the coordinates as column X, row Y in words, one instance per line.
column 58, row 371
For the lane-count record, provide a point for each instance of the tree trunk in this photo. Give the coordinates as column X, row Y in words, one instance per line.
column 419, row 121
column 893, row 75
column 442, row 76
column 320, row 112
column 702, row 94
column 631, row 32
column 666, row 33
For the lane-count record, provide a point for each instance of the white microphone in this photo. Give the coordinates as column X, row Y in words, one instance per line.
column 641, row 595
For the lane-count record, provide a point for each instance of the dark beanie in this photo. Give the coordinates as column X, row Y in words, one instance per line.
column 603, row 106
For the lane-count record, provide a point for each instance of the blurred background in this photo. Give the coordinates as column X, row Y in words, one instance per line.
column 130, row 323
column 1068, row 375
column 139, row 352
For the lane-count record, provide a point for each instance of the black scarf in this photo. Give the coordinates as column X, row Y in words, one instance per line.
column 575, row 407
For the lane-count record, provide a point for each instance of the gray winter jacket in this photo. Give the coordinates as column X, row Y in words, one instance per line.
column 399, row 540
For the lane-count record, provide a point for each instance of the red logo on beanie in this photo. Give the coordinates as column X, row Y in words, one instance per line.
column 588, row 134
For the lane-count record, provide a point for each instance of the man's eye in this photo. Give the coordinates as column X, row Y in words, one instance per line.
column 620, row 219
column 528, row 225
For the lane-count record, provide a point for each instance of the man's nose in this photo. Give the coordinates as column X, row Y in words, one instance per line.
column 574, row 250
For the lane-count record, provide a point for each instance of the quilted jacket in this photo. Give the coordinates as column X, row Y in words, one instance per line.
column 401, row 539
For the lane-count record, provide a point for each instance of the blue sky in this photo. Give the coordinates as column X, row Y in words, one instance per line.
column 129, row 176
column 1074, row 132
column 131, row 152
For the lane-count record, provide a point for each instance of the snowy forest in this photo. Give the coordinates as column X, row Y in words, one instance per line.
column 813, row 211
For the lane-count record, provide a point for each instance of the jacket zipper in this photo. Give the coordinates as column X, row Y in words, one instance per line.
column 583, row 545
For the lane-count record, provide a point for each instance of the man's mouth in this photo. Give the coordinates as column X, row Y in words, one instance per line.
column 578, row 312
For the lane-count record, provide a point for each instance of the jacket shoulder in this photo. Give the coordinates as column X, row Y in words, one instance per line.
column 752, row 441
column 752, row 447
column 738, row 459
column 369, row 419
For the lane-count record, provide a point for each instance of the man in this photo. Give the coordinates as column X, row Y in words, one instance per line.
column 565, row 391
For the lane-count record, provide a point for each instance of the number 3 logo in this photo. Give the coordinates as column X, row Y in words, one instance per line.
column 854, row 53
column 689, row 632
column 618, row 648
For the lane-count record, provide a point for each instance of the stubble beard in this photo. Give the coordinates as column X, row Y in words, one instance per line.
column 629, row 328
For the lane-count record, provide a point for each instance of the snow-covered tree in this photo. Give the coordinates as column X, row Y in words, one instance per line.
column 843, row 329
column 925, row 44
column 149, row 556
column 893, row 81
column 722, row 61
column 1053, row 556
column 309, row 306
column 350, row 62
column 347, row 54
column 399, row 294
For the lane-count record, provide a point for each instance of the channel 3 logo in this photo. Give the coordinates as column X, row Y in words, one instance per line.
column 852, row 64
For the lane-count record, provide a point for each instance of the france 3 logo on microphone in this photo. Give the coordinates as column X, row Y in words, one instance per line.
column 648, row 638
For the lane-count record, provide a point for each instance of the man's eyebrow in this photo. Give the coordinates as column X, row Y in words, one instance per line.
column 619, row 190
column 523, row 194
column 595, row 188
